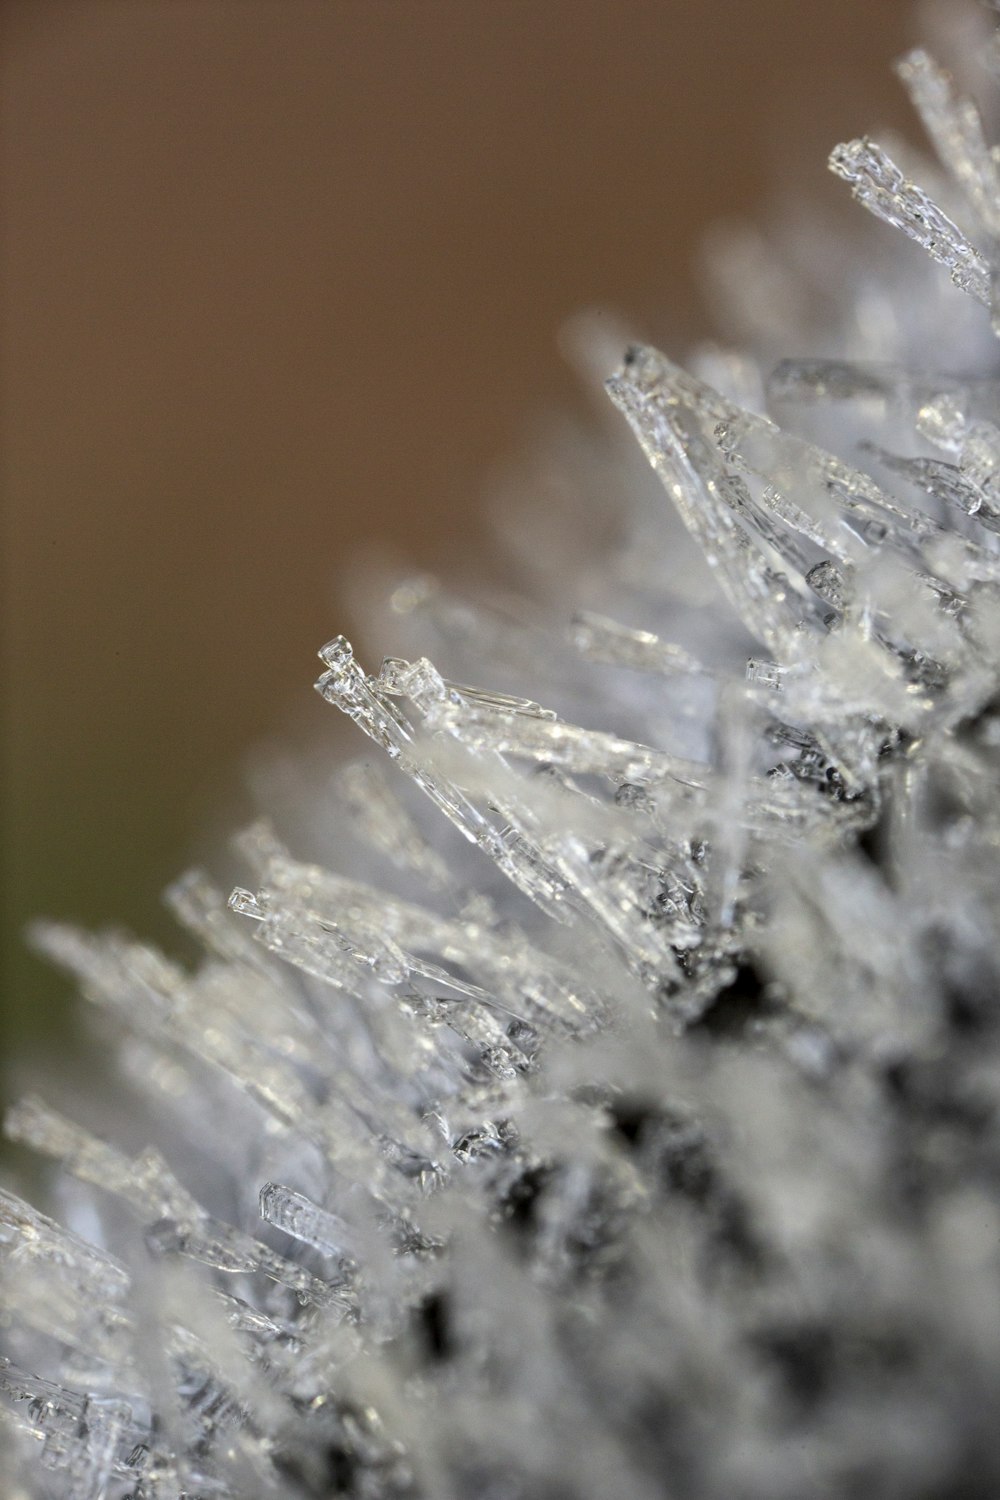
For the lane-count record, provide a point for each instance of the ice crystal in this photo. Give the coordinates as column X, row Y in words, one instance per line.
column 637, row 1135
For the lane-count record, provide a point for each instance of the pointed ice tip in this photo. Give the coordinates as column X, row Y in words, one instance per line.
column 245, row 904
column 636, row 362
column 642, row 371
column 336, row 653
column 623, row 370
column 843, row 159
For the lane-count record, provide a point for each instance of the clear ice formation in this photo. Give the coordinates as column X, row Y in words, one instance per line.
column 632, row 1128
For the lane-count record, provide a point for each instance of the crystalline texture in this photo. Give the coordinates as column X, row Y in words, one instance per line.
column 630, row 1130
column 878, row 184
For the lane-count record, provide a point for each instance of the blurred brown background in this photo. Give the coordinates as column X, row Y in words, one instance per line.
column 283, row 277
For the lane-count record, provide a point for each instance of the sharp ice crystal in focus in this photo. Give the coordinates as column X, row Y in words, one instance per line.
column 608, row 1104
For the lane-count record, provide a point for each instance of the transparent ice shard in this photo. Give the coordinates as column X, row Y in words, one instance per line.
column 510, row 963
column 64, row 1286
column 210, row 1384
column 233, row 1253
column 945, row 482
column 979, row 460
column 346, row 686
column 606, row 640
column 297, row 1216
column 767, row 674
column 263, row 1329
column 955, row 127
column 582, row 752
column 362, row 944
column 120, row 975
column 176, row 1222
column 935, row 403
column 822, row 380
column 87, row 1442
column 610, row 889
column 676, row 419
column 851, row 518
column 427, row 990
column 395, row 673
column 879, row 185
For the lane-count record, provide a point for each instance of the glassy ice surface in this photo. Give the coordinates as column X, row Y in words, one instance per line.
column 612, row 1111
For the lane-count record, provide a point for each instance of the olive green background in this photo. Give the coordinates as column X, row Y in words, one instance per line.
column 283, row 278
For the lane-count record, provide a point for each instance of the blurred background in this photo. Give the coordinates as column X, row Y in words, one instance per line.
column 283, row 279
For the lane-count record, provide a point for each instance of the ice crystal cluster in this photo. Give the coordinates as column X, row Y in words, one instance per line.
column 615, row 1114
